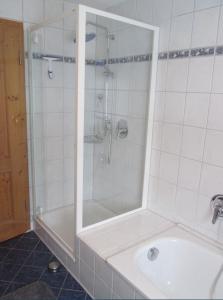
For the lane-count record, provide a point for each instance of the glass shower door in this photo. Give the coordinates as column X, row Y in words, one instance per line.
column 117, row 89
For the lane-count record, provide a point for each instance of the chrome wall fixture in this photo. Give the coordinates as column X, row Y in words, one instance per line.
column 50, row 60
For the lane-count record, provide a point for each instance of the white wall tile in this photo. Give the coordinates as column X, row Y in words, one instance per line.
column 186, row 204
column 69, row 22
column 54, row 41
column 54, row 170
column 181, row 27
column 211, row 180
column 53, row 100
column 162, row 10
column 214, row 148
column 171, row 140
column 69, row 77
column 53, row 124
column 68, row 42
column 69, row 124
column 196, row 111
column 101, row 290
column 54, row 148
column 159, row 106
column 161, row 75
column 87, row 277
column 174, row 108
column 11, row 9
column 164, row 204
column 54, row 194
column 155, row 162
column 121, row 287
column 122, row 103
column 189, row 174
column 144, row 11
column 200, row 74
column 138, row 104
column 202, row 4
column 215, row 120
column 164, row 35
column 205, row 27
column 217, row 76
column 193, row 142
column 169, row 165
column 33, row 11
column 69, row 100
column 103, row 270
column 177, row 81
column 54, row 8
column 220, row 28
column 182, row 7
column 86, row 255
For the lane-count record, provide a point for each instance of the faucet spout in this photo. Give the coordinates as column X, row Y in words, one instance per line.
column 217, row 206
column 216, row 214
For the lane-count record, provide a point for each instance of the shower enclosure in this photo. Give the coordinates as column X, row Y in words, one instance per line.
column 92, row 81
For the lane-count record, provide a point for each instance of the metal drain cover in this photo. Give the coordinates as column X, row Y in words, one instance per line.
column 54, row 266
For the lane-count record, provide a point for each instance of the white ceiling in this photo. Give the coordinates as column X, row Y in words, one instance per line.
column 102, row 4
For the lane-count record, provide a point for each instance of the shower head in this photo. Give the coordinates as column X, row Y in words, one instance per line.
column 89, row 37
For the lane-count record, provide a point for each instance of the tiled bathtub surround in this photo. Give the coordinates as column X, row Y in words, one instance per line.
column 93, row 250
column 187, row 166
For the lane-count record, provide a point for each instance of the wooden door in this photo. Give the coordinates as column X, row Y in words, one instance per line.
column 14, row 202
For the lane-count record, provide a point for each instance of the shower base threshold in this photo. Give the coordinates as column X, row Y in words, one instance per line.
column 60, row 223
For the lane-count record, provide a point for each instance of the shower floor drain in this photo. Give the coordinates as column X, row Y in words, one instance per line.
column 54, row 266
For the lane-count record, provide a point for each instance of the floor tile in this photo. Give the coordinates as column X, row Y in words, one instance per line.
column 71, row 295
column 8, row 271
column 26, row 244
column 13, row 286
column 41, row 247
column 55, row 291
column 24, row 260
column 31, row 235
column 28, row 274
column 54, row 279
column 72, row 284
column 10, row 243
column 17, row 257
column 3, row 253
column 3, row 287
column 38, row 259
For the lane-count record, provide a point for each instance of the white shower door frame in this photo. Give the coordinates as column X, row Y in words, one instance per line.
column 82, row 10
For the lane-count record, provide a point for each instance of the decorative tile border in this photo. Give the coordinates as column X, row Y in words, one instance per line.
column 203, row 51
column 176, row 54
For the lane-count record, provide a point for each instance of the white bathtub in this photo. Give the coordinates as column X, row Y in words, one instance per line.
column 186, row 267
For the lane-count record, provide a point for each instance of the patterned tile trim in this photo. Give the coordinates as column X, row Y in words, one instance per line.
column 179, row 54
column 219, row 50
column 195, row 52
column 202, row 51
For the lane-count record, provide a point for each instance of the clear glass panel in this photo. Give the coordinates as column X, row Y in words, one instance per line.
column 118, row 58
column 52, row 57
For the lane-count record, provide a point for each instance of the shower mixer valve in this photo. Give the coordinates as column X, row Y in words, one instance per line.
column 122, row 129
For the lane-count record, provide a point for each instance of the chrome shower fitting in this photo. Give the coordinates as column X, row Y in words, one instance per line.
column 217, row 205
column 50, row 60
